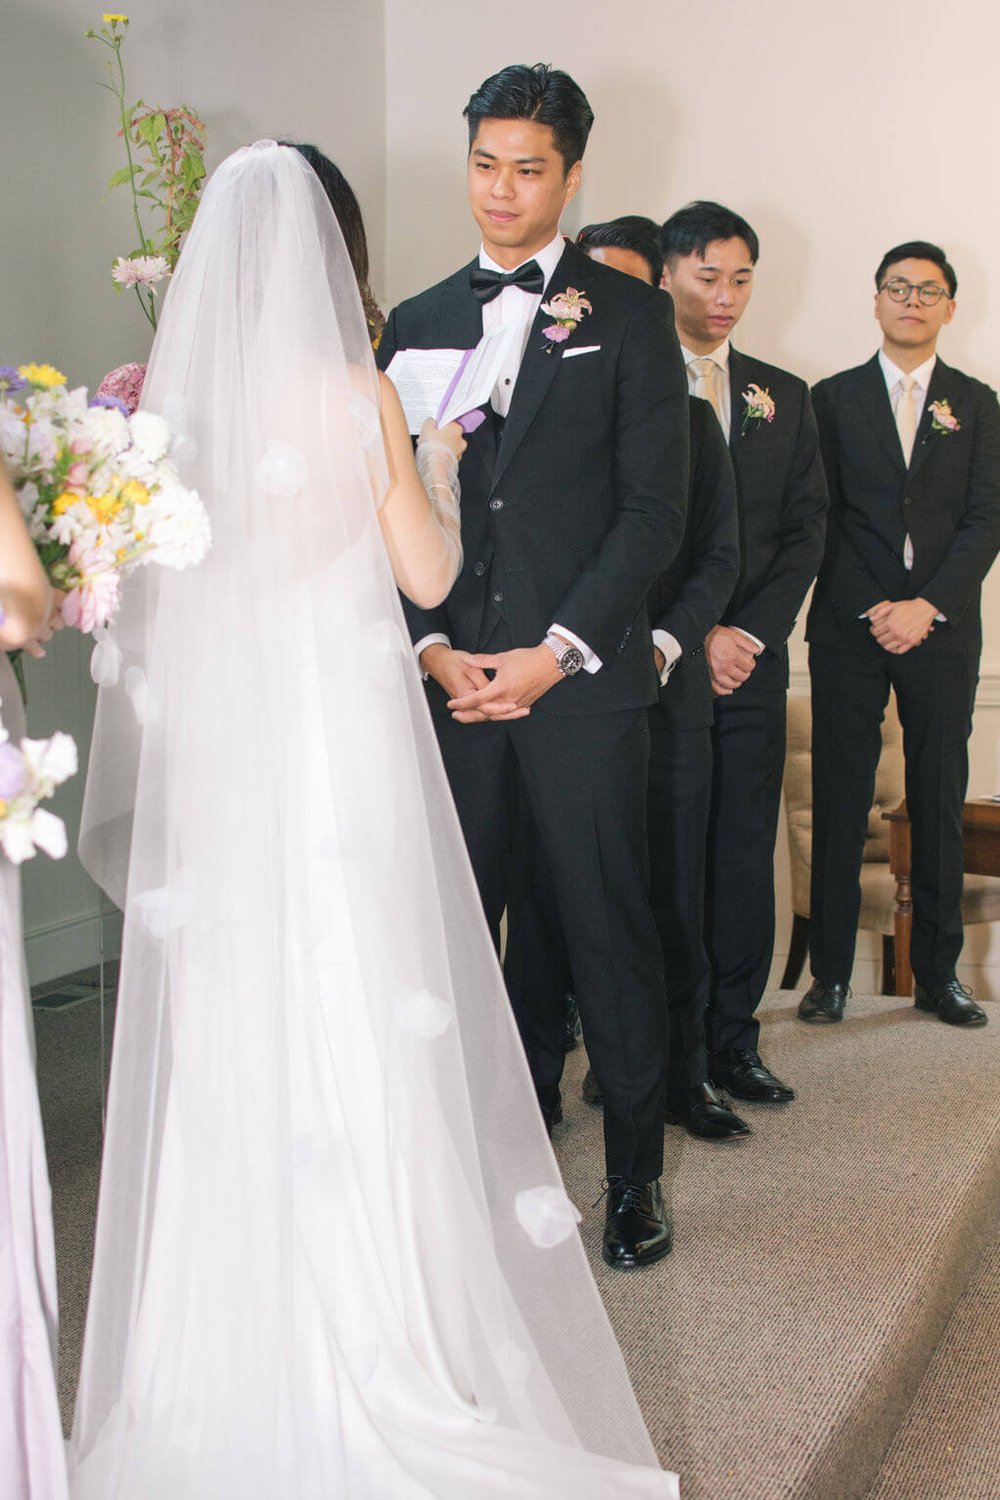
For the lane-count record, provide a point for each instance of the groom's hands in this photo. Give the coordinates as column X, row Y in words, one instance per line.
column 461, row 676
column 520, row 678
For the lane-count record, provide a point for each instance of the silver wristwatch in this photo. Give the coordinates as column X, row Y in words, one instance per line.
column 569, row 659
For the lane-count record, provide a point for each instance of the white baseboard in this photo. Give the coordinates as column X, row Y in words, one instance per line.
column 64, row 947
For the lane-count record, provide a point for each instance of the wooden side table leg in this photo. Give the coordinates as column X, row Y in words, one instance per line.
column 903, row 927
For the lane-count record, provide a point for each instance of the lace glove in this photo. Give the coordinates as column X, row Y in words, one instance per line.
column 437, row 468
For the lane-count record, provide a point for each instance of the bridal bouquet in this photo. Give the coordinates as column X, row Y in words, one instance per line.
column 97, row 489
column 29, row 774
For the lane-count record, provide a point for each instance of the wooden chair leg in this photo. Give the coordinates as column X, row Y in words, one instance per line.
column 904, row 927
column 888, row 964
column 798, row 948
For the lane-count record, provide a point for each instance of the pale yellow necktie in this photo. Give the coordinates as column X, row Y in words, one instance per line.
column 906, row 417
column 706, row 385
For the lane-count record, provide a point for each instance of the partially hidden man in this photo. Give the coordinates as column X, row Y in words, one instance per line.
column 573, row 502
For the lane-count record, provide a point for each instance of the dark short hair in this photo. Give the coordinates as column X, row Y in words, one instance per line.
column 693, row 228
column 347, row 209
column 918, row 250
column 542, row 94
column 628, row 232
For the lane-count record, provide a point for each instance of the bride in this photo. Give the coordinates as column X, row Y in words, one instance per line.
column 334, row 1256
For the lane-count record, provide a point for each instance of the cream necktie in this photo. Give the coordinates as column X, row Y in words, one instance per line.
column 706, row 385
column 906, row 417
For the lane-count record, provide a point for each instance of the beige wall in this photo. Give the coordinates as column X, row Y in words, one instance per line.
column 837, row 130
column 311, row 71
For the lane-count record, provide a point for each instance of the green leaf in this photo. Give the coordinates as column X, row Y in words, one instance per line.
column 123, row 175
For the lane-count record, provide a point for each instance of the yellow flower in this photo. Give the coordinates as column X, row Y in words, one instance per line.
column 41, row 375
column 110, row 17
column 3, row 808
column 121, row 554
column 135, row 493
column 104, row 507
column 63, row 502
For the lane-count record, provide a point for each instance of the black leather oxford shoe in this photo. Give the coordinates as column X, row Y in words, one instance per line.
column 951, row 1001
column 742, row 1073
column 705, row 1114
column 636, row 1232
column 591, row 1090
column 824, row 1002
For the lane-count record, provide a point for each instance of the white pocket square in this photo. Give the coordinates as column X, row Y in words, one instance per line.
column 583, row 349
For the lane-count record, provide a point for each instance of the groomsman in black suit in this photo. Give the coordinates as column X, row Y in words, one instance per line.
column 685, row 602
column 912, row 454
column 573, row 501
column 766, row 414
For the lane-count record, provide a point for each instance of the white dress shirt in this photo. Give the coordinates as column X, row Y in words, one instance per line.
column 517, row 309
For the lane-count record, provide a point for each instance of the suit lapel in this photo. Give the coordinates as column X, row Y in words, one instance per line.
column 739, row 380
column 927, row 439
column 539, row 365
column 872, row 397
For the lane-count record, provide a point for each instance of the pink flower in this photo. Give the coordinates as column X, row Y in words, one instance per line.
column 76, row 476
column 94, row 600
column 140, row 270
column 557, row 333
column 944, row 419
column 125, row 383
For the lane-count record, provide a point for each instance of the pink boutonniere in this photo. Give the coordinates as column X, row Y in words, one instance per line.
column 760, row 407
column 567, row 308
column 944, row 419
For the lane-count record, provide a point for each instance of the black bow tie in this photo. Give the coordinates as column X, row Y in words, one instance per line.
column 489, row 284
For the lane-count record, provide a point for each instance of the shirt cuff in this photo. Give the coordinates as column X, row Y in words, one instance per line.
column 672, row 653
column 757, row 642
column 591, row 661
column 430, row 640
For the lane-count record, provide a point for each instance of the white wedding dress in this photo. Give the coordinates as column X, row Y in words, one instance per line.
column 334, row 1257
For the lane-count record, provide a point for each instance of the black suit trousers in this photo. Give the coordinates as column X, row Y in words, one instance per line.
column 584, row 779
column 935, row 693
column 748, row 744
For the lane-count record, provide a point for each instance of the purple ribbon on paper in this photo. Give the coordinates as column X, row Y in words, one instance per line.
column 469, row 420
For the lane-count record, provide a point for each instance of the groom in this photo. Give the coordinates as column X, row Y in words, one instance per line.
column 540, row 673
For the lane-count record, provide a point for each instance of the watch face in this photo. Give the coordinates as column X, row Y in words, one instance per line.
column 572, row 661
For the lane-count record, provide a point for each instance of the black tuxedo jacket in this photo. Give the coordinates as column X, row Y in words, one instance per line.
column 689, row 597
column 782, row 501
column 948, row 500
column 574, row 507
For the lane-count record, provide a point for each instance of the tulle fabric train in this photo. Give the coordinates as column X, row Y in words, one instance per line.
column 32, row 1455
column 334, row 1257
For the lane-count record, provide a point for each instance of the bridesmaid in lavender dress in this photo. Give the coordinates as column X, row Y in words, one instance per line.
column 32, row 1461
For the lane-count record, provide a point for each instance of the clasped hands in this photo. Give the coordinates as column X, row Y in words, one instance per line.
column 520, row 677
column 899, row 625
column 732, row 656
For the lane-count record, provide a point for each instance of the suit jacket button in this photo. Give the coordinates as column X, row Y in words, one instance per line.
column 498, row 597
column 479, row 569
column 496, row 504
column 907, row 501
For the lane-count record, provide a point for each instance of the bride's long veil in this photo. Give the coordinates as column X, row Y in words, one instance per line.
column 333, row 1253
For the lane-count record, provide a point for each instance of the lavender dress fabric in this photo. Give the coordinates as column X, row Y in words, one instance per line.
column 32, row 1459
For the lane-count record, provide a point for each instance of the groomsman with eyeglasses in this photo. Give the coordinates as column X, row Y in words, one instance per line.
column 768, row 421
column 911, row 448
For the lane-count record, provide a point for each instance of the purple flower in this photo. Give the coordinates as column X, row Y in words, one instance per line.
column 557, row 333
column 113, row 401
column 12, row 771
column 10, row 380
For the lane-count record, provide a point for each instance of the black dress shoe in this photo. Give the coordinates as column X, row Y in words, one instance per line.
column 824, row 1002
column 636, row 1231
column 574, row 1031
column 591, row 1090
column 552, row 1111
column 705, row 1114
column 743, row 1073
column 951, row 1001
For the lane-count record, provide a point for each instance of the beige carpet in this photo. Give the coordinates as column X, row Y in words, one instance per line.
column 776, row 1351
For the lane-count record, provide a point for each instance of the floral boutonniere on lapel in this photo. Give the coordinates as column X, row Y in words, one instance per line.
column 567, row 308
column 760, row 407
column 943, row 419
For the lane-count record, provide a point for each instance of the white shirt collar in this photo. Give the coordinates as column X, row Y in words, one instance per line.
column 720, row 355
column 894, row 376
column 548, row 258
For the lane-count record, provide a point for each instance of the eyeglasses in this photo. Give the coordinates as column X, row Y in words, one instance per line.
column 898, row 290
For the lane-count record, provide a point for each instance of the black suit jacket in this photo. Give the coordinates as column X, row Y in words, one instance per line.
column 579, row 505
column 948, row 500
column 782, row 501
column 689, row 597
